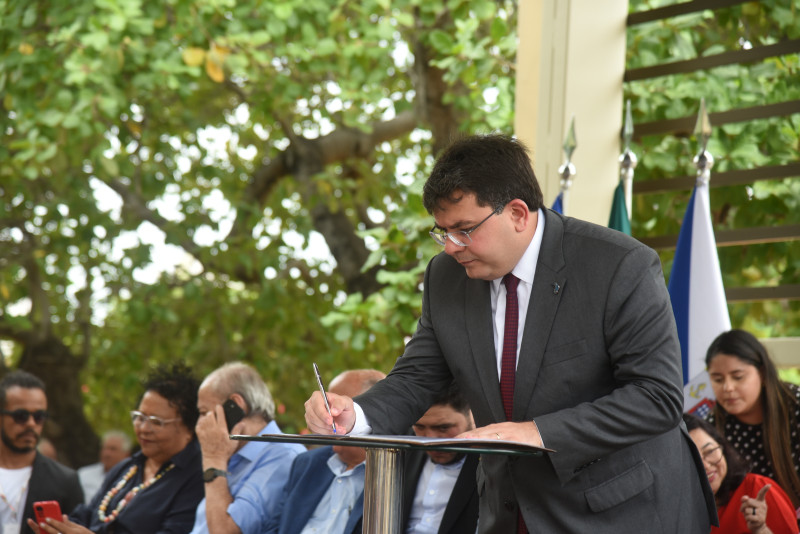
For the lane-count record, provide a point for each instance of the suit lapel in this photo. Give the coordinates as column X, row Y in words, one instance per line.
column 548, row 286
column 36, row 483
column 478, row 315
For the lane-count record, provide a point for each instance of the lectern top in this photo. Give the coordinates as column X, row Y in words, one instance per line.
column 475, row 446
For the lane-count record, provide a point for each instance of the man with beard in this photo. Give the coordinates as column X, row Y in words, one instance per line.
column 440, row 494
column 26, row 476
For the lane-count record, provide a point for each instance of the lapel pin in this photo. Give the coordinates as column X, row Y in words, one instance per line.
column 556, row 288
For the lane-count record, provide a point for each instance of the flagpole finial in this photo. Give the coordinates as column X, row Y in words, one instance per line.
column 627, row 130
column 567, row 171
column 570, row 142
column 702, row 130
column 627, row 160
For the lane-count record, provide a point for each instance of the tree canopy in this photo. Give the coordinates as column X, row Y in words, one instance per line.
column 735, row 146
column 240, row 180
column 274, row 147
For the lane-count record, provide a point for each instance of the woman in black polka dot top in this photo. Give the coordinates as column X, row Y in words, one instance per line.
column 755, row 411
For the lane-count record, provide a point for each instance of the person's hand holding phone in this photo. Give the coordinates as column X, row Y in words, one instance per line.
column 50, row 520
column 213, row 435
column 44, row 509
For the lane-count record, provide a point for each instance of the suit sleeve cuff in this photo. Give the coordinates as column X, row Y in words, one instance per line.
column 540, row 434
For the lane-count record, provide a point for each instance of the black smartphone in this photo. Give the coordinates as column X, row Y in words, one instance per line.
column 233, row 414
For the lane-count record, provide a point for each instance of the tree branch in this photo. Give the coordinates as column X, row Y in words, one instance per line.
column 11, row 332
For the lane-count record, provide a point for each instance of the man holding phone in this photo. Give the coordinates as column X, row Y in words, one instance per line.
column 26, row 476
column 240, row 477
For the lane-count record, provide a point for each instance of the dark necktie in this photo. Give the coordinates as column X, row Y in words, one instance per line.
column 508, row 366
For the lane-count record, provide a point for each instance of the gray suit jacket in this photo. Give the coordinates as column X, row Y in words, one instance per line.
column 599, row 371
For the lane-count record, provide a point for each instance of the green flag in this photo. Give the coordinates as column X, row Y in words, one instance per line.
column 619, row 212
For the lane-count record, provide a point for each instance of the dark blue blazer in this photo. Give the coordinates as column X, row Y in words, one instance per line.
column 308, row 482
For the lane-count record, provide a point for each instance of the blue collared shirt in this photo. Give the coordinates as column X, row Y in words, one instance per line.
column 258, row 472
column 333, row 511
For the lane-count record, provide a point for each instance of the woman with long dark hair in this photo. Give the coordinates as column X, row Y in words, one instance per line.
column 757, row 412
column 746, row 503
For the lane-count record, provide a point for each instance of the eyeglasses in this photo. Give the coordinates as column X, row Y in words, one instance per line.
column 460, row 237
column 138, row 418
column 21, row 416
column 713, row 456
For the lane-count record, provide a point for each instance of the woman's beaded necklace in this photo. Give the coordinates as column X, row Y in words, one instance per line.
column 101, row 510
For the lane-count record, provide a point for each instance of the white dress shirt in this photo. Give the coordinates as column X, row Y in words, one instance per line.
column 435, row 485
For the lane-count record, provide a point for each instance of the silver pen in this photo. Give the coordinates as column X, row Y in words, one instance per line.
column 324, row 395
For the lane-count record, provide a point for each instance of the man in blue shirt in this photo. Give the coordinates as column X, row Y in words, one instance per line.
column 325, row 490
column 241, row 477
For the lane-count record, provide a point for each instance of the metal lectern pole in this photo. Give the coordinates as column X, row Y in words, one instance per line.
column 383, row 485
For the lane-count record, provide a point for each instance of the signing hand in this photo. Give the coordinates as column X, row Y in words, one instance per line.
column 65, row 526
column 755, row 511
column 319, row 421
column 524, row 432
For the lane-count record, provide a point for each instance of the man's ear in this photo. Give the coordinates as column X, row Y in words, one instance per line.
column 521, row 216
column 239, row 400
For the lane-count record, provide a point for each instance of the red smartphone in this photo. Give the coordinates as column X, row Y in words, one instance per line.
column 45, row 509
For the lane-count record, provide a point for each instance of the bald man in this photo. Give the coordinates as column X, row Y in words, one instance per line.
column 325, row 490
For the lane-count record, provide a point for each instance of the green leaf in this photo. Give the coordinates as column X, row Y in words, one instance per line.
column 441, row 41
column 283, row 10
column 110, row 167
column 326, row 47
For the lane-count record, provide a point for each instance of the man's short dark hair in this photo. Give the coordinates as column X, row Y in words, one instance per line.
column 495, row 168
column 453, row 397
column 21, row 379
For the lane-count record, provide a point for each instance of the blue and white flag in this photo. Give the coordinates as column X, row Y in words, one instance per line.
column 558, row 205
column 697, row 294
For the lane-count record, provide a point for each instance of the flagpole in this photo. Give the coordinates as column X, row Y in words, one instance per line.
column 567, row 170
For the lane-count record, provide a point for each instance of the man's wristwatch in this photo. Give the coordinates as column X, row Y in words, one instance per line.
column 212, row 472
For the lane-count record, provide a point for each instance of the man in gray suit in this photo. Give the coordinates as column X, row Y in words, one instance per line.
column 580, row 355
